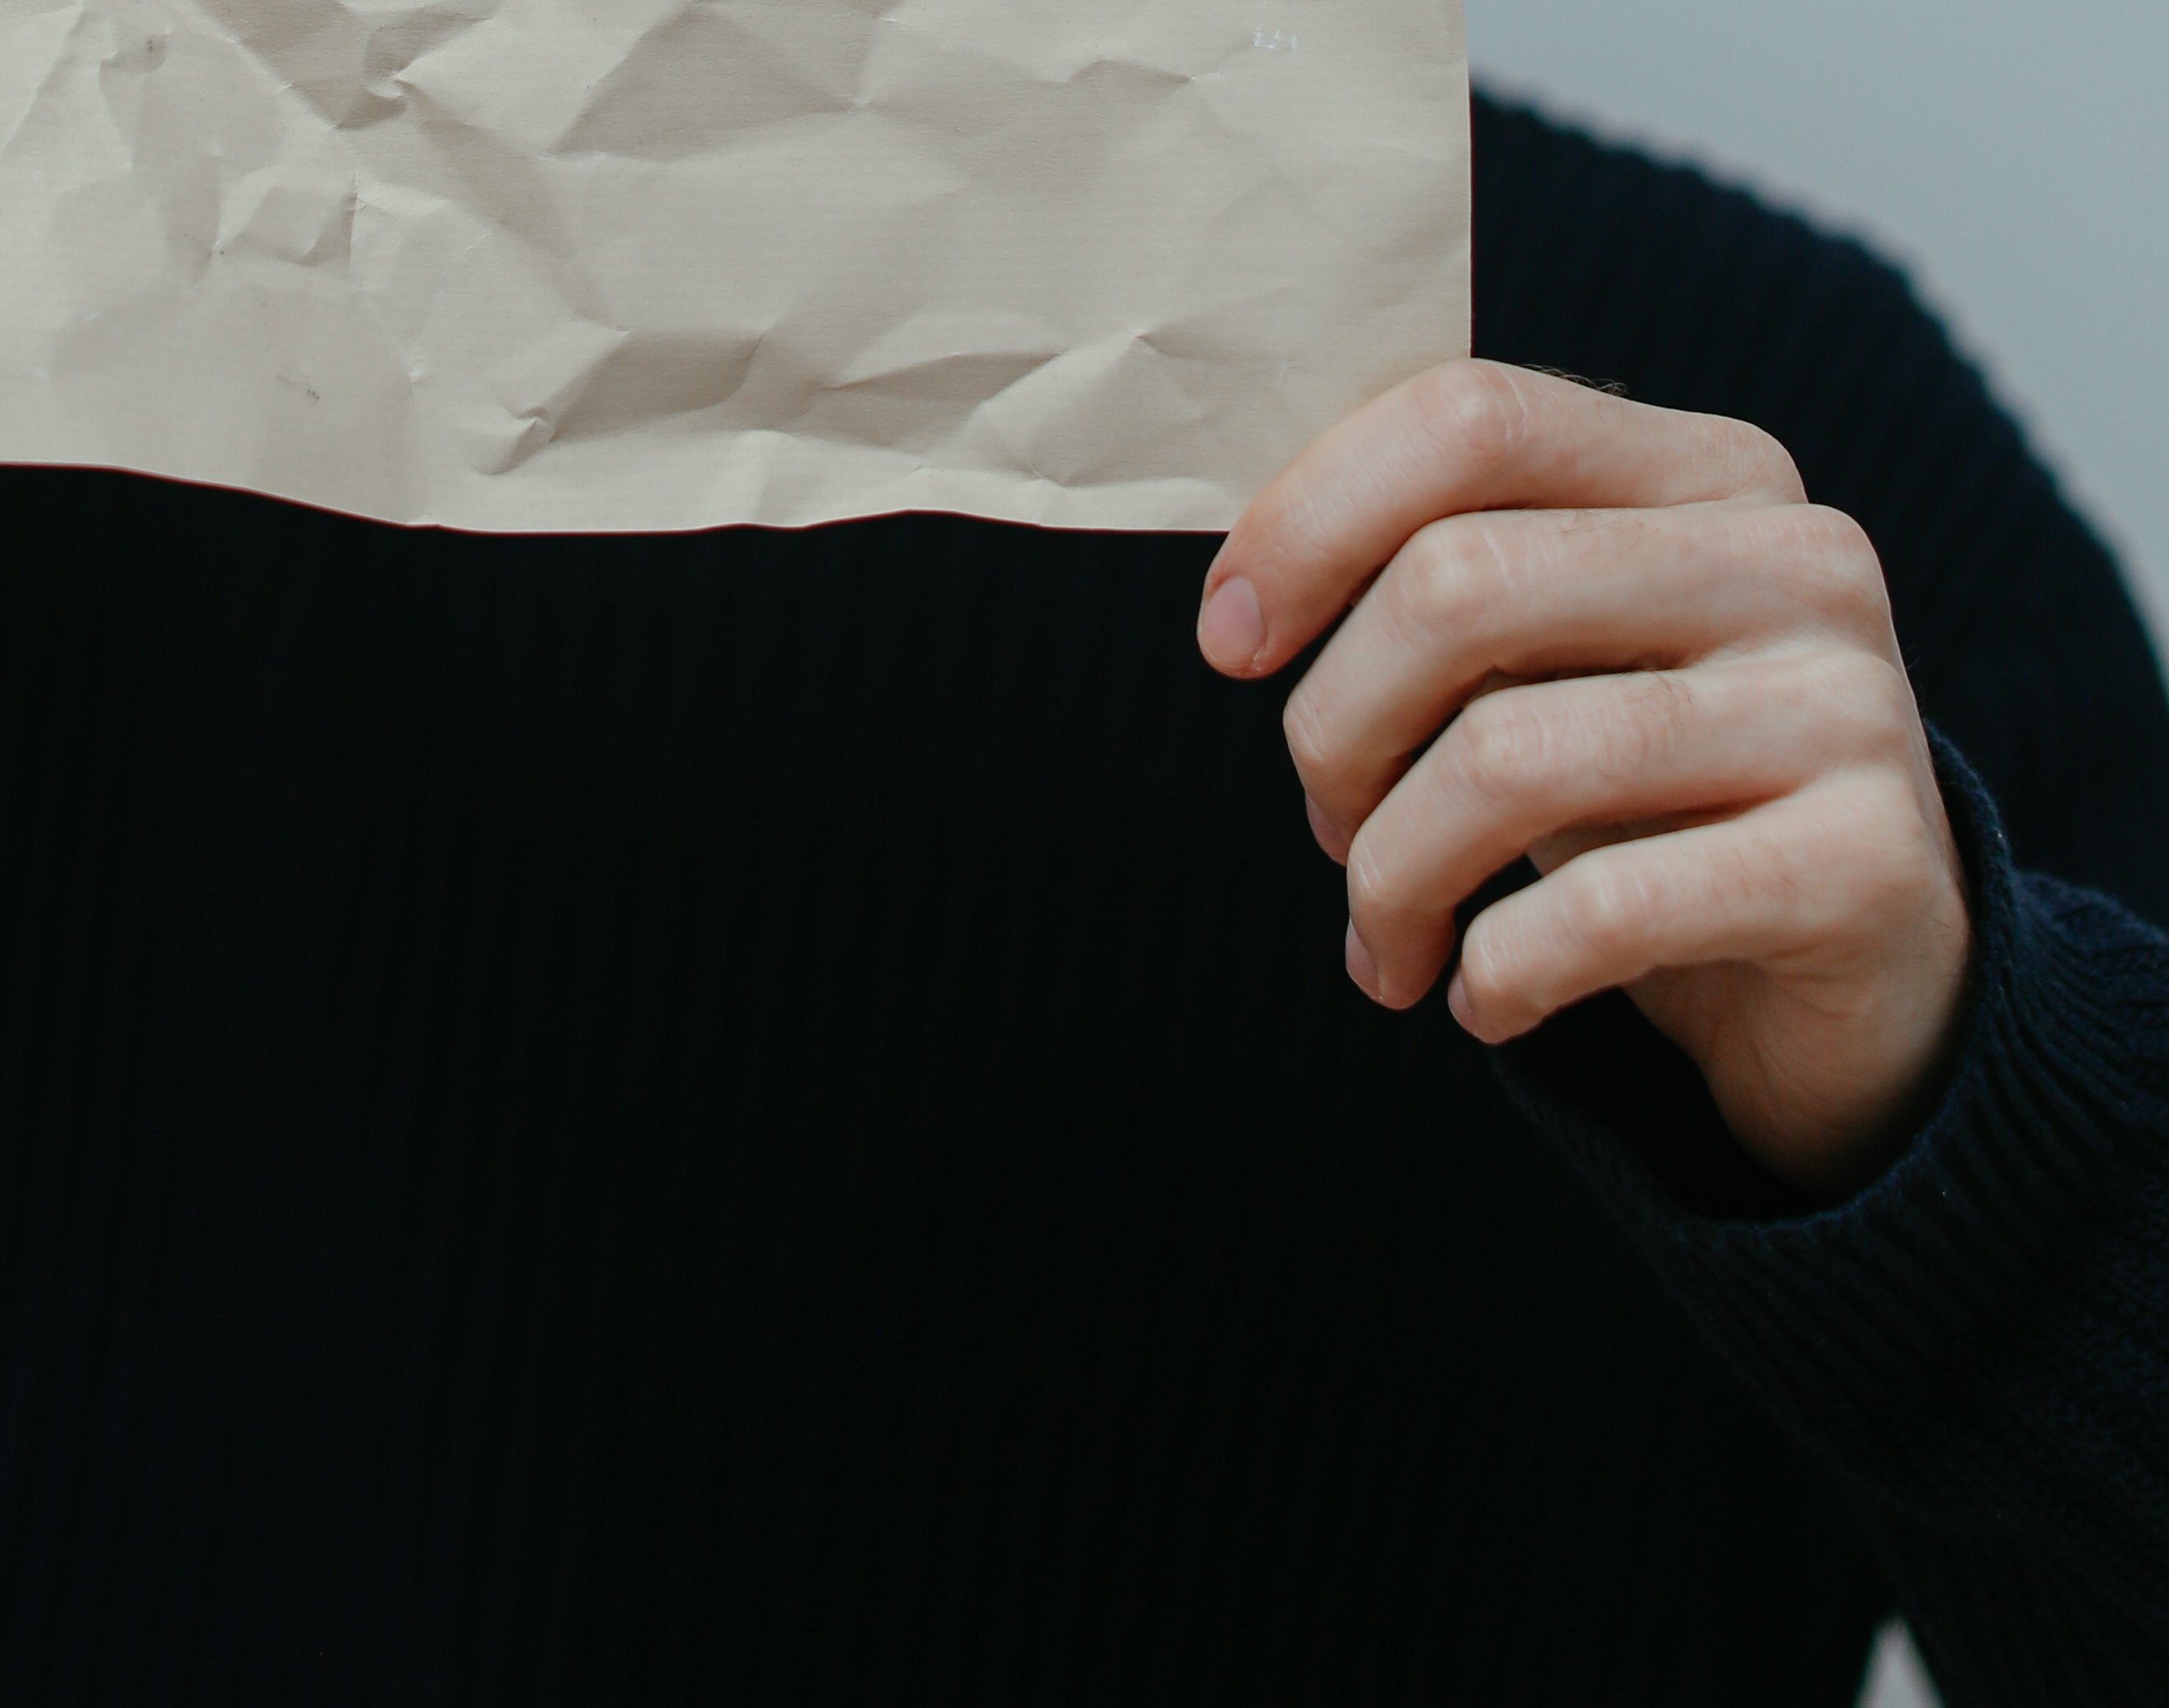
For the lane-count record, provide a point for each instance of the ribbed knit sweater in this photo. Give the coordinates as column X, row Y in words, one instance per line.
column 771, row 1118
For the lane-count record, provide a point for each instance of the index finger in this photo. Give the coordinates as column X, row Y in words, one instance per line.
column 1465, row 435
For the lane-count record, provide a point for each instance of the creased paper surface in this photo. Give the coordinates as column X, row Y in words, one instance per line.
column 574, row 265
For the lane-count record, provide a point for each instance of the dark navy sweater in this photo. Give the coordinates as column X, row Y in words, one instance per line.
column 772, row 1118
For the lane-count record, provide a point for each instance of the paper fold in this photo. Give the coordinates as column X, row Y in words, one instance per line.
column 537, row 265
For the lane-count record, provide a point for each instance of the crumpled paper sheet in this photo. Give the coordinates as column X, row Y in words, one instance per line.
column 581, row 264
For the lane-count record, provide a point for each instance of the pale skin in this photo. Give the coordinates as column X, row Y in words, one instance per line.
column 1654, row 667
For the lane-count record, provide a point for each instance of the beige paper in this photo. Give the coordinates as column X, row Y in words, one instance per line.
column 580, row 264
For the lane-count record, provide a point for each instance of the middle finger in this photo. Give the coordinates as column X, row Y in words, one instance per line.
column 1536, row 593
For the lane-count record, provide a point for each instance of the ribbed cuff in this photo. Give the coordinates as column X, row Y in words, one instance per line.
column 1925, row 1308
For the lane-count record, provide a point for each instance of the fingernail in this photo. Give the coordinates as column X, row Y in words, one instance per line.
column 1232, row 629
column 1456, row 999
column 1320, row 825
column 1362, row 968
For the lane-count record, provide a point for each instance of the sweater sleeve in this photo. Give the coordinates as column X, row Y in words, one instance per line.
column 1976, row 1345
column 1978, row 1340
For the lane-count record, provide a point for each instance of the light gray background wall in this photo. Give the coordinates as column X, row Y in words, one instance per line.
column 2014, row 157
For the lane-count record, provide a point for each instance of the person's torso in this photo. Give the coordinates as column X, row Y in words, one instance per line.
column 766, row 1118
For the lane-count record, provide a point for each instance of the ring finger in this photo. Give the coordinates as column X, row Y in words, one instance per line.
column 1645, row 748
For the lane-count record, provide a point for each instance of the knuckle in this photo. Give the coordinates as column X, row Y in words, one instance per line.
column 1879, row 688
column 1487, row 969
column 1309, row 744
column 1847, row 695
column 1762, row 463
column 1500, row 747
column 1471, row 412
column 1886, row 851
column 1604, row 912
column 1374, row 889
column 1891, row 895
column 1863, row 702
column 1837, row 570
column 1839, row 533
column 1445, row 580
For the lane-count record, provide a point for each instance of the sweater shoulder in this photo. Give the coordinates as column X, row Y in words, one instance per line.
column 1695, row 293
column 1603, row 261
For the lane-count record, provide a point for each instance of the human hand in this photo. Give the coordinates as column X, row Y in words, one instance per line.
column 1666, row 677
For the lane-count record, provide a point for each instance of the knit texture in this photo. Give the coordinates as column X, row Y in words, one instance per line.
column 770, row 1118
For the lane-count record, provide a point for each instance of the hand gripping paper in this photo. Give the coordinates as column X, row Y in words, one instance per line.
column 604, row 264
